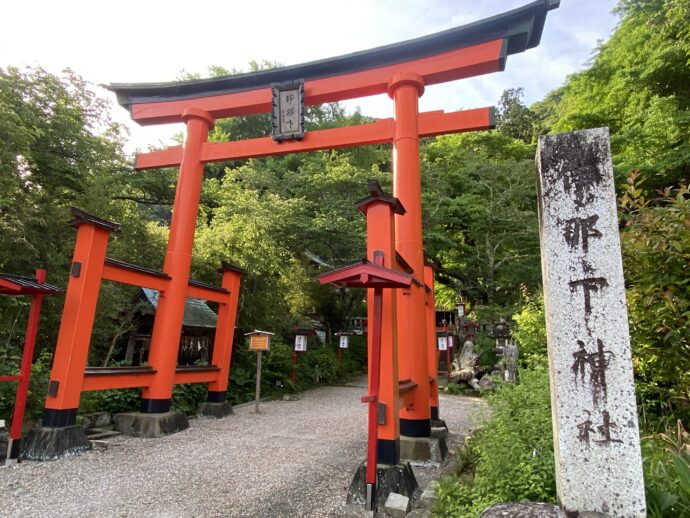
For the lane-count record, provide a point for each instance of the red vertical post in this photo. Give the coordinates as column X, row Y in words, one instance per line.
column 225, row 331
column 380, row 209
column 81, row 297
column 25, row 371
column 445, row 331
column 432, row 355
column 373, row 396
column 165, row 339
column 405, row 89
column 340, row 361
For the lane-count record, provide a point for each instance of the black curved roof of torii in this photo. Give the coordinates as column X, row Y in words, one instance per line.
column 520, row 29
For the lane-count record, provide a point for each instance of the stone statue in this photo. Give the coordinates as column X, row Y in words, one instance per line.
column 464, row 367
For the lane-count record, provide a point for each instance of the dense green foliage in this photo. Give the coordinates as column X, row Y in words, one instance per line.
column 511, row 459
column 481, row 216
column 638, row 85
column 656, row 248
column 530, row 331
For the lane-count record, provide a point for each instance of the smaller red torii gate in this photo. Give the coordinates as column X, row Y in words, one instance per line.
column 35, row 288
column 70, row 375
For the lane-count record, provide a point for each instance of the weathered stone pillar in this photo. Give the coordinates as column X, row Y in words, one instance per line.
column 596, row 437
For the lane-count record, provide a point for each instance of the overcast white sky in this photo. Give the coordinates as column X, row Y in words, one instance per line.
column 153, row 40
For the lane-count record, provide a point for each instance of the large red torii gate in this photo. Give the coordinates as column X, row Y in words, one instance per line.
column 403, row 70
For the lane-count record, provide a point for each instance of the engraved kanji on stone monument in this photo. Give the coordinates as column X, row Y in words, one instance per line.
column 596, row 437
column 288, row 111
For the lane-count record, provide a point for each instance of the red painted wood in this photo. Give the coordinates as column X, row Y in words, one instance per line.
column 381, row 131
column 374, row 384
column 471, row 61
column 27, row 358
column 294, row 366
column 115, row 273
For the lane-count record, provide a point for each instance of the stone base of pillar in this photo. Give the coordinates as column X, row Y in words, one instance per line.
column 398, row 478
column 215, row 410
column 47, row 443
column 424, row 449
column 439, row 432
column 138, row 424
column 438, row 423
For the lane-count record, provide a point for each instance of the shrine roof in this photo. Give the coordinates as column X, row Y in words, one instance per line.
column 365, row 274
column 520, row 29
column 377, row 194
column 16, row 285
column 197, row 314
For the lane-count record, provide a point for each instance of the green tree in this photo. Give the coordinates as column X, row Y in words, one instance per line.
column 513, row 118
column 638, row 84
column 480, row 215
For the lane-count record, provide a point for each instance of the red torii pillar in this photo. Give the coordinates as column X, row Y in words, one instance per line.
column 431, row 340
column 36, row 288
column 385, row 392
column 74, row 337
column 223, row 341
column 405, row 90
column 167, row 326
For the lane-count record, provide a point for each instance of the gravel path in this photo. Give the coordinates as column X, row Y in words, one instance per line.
column 295, row 459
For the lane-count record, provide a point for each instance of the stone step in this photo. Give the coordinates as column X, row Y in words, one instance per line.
column 93, row 434
column 99, row 428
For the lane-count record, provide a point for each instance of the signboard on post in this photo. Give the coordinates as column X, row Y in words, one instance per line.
column 259, row 341
column 442, row 343
column 344, row 341
column 300, row 343
column 288, row 111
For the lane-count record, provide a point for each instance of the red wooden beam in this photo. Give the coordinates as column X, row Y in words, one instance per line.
column 448, row 66
column 97, row 381
column 200, row 375
column 381, row 131
column 199, row 292
column 117, row 273
column 9, row 286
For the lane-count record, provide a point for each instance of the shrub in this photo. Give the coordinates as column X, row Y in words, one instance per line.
column 113, row 401
column 38, row 385
column 511, row 459
column 317, row 366
column 656, row 253
column 187, row 397
column 666, row 462
column 530, row 332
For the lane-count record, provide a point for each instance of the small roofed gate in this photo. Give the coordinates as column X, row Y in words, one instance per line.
column 403, row 71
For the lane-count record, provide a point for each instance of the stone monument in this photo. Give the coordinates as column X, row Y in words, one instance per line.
column 596, row 437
